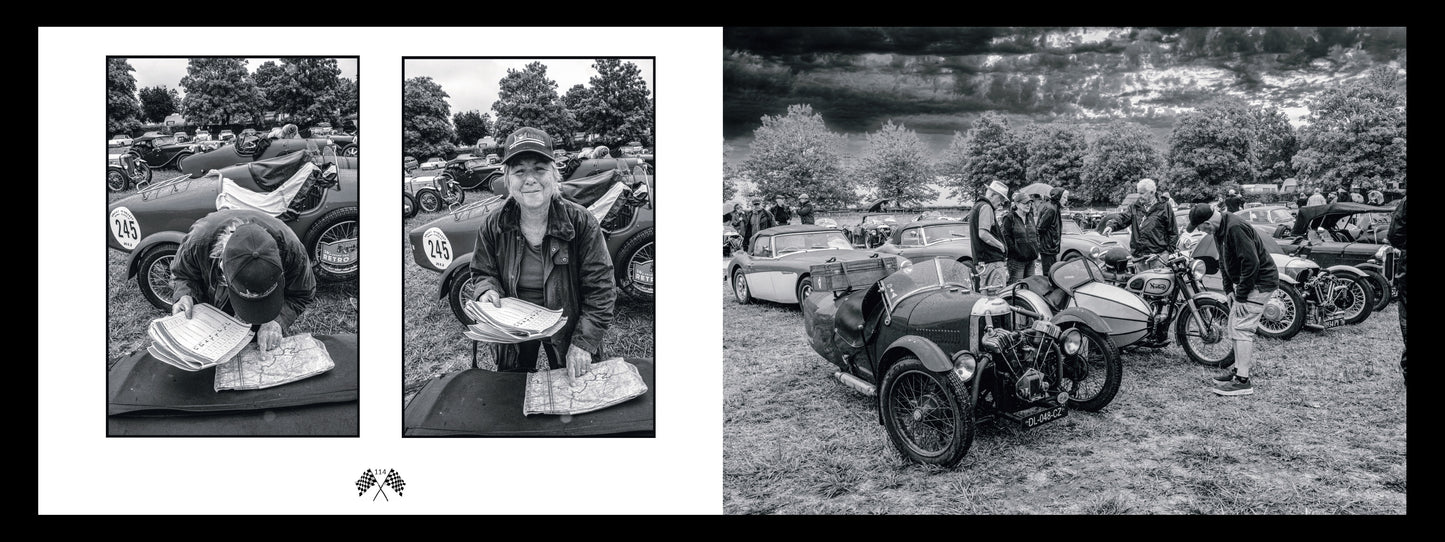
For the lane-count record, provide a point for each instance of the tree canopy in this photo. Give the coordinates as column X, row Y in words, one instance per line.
column 617, row 107
column 1356, row 134
column 1117, row 159
column 304, row 88
column 425, row 130
column 527, row 97
column 122, row 109
column 219, row 90
column 796, row 153
column 472, row 126
column 896, row 165
column 991, row 152
column 158, row 102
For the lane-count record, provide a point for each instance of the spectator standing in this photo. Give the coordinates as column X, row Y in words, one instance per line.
column 781, row 213
column 805, row 209
column 1249, row 278
column 1396, row 237
column 1021, row 237
column 1233, row 202
column 1151, row 222
column 986, row 237
column 759, row 219
column 1318, row 198
column 1051, row 227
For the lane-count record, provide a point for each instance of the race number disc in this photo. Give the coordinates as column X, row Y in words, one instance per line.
column 438, row 250
column 124, row 228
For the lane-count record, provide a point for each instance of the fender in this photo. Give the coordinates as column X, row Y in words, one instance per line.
column 1036, row 300
column 1288, row 280
column 159, row 238
column 929, row 353
column 1220, row 297
column 451, row 273
column 1343, row 268
column 1082, row 315
column 1370, row 267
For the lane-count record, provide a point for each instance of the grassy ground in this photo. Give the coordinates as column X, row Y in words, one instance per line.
column 1324, row 433
column 433, row 345
column 128, row 313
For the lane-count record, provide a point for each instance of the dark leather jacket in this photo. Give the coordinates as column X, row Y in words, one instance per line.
column 577, row 273
column 1151, row 229
column 195, row 273
column 1050, row 227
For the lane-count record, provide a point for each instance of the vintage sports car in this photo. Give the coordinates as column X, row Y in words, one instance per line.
column 622, row 197
column 123, row 171
column 942, row 358
column 434, row 162
column 161, row 151
column 150, row 224
column 949, row 238
column 776, row 265
column 239, row 151
column 1268, row 220
column 202, row 135
column 226, row 135
column 472, row 172
column 429, row 194
column 1339, row 249
column 119, row 140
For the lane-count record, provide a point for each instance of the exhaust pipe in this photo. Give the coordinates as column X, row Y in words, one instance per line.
column 856, row 383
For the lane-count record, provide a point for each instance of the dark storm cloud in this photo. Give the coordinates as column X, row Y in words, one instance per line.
column 771, row 41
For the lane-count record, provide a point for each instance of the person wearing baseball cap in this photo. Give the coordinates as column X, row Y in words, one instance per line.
column 248, row 264
column 986, row 236
column 1250, row 279
column 546, row 250
column 805, row 209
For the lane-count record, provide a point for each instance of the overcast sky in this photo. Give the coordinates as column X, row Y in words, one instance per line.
column 472, row 83
column 167, row 72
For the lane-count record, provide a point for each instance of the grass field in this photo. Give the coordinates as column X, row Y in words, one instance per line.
column 1324, row 433
column 335, row 309
column 433, row 345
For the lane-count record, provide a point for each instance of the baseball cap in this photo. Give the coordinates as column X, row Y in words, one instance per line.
column 252, row 264
column 1200, row 213
column 527, row 139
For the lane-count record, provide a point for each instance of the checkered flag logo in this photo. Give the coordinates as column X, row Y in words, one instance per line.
column 394, row 481
column 364, row 483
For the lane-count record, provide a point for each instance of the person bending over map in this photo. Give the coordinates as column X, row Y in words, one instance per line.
column 248, row 264
column 548, row 251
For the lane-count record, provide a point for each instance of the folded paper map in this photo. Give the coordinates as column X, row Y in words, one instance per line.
column 606, row 383
column 513, row 321
column 298, row 357
column 208, row 338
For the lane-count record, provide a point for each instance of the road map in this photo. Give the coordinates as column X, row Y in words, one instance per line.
column 607, row 383
column 298, row 357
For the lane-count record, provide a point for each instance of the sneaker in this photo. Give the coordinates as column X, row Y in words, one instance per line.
column 1225, row 375
column 1234, row 387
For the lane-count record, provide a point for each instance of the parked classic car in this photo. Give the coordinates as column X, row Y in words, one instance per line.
column 123, row 171
column 161, row 151
column 949, row 238
column 776, row 265
column 119, row 140
column 472, row 172
column 429, row 194
column 1267, row 219
column 434, row 162
column 239, row 151
column 226, row 135
column 1332, row 245
column 150, row 224
column 445, row 244
column 202, row 135
column 182, row 137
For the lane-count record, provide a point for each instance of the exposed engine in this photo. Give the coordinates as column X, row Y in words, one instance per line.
column 1021, row 357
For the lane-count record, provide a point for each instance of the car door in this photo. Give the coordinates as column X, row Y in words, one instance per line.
column 761, row 268
column 910, row 243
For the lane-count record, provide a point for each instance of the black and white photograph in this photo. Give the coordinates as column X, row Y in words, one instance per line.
column 1064, row 270
column 232, row 247
column 528, row 219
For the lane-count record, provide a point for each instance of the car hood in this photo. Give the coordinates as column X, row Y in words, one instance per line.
column 823, row 255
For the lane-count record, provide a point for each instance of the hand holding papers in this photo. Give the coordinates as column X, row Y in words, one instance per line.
column 208, row 338
column 512, row 320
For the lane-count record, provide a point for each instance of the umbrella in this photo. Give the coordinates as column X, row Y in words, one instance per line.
column 1037, row 188
column 876, row 205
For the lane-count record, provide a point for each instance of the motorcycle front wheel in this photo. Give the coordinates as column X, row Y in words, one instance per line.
column 1211, row 344
column 927, row 414
column 1291, row 314
column 1356, row 298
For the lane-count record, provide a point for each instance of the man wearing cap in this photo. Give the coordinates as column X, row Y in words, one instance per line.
column 781, row 213
column 1151, row 222
column 759, row 219
column 805, row 209
column 1051, row 228
column 1233, row 202
column 985, row 236
column 545, row 250
column 1250, row 279
column 248, row 264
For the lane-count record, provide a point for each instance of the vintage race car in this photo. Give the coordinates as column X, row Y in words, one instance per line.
column 776, row 265
column 623, row 198
column 239, row 151
column 429, row 194
column 150, row 224
column 161, row 151
column 472, row 172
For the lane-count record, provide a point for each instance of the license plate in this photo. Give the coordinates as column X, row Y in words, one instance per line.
column 1039, row 418
column 1333, row 322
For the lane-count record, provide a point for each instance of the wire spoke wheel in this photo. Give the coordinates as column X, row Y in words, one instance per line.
column 342, row 231
column 158, row 278
column 640, row 267
column 1351, row 296
column 1211, row 344
column 921, row 412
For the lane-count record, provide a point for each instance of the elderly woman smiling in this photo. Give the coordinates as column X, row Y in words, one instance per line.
column 545, row 250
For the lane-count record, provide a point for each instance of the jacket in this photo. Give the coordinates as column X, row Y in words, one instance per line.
column 1396, row 235
column 1244, row 263
column 577, row 272
column 781, row 214
column 1151, row 228
column 982, row 251
column 195, row 273
column 1021, row 237
column 758, row 220
column 805, row 213
column 1051, row 228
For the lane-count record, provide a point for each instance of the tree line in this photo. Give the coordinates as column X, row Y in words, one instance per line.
column 613, row 109
column 1355, row 137
column 221, row 91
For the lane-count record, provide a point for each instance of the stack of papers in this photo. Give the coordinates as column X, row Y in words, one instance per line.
column 206, row 339
column 512, row 321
